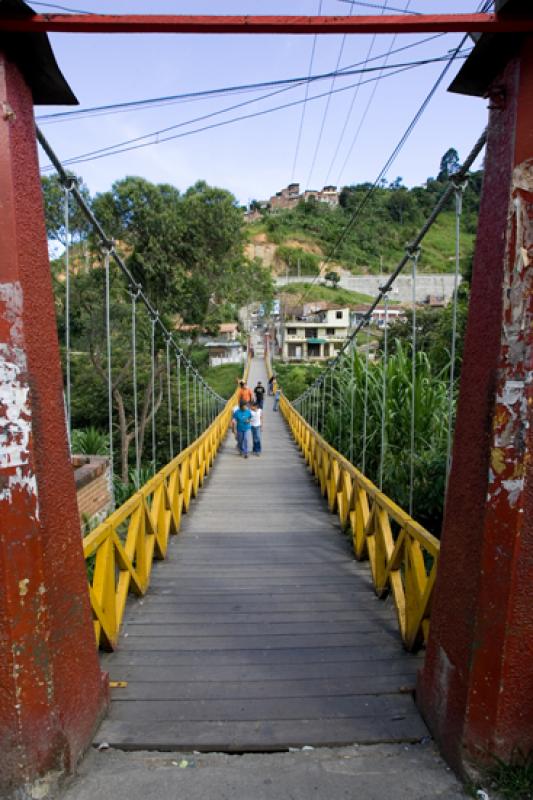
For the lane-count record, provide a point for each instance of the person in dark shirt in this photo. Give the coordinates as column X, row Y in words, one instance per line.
column 271, row 384
column 259, row 392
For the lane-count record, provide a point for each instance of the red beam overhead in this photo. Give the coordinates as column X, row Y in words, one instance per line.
column 154, row 23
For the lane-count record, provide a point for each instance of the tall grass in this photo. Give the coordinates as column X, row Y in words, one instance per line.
column 342, row 424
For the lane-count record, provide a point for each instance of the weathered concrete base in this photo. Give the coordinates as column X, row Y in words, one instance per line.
column 378, row 772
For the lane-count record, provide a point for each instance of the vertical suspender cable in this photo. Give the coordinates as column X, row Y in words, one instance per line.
column 107, row 258
column 414, row 258
column 323, row 402
column 187, row 404
column 134, row 296
column 365, row 409
column 458, row 211
column 384, row 393
column 195, row 405
column 169, row 401
column 67, row 313
column 152, row 358
column 178, row 372
column 352, row 397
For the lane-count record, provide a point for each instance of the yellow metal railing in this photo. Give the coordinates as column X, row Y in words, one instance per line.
column 403, row 555
column 125, row 545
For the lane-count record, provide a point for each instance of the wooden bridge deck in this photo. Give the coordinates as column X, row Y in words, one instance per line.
column 260, row 632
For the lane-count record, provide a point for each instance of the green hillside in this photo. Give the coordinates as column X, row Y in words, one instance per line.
column 376, row 240
column 316, row 291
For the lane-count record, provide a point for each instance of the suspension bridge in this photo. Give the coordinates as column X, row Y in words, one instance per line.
column 287, row 600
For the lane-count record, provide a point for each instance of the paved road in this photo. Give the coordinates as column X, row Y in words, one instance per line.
column 260, row 632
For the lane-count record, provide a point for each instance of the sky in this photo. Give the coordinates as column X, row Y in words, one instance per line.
column 256, row 157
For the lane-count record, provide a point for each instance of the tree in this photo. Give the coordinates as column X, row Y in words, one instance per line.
column 449, row 164
column 333, row 278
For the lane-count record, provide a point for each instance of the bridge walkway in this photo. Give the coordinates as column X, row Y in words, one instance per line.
column 260, row 632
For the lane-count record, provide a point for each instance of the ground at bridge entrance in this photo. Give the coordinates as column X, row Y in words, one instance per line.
column 376, row 772
column 261, row 633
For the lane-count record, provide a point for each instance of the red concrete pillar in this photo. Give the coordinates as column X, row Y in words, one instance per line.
column 476, row 688
column 51, row 689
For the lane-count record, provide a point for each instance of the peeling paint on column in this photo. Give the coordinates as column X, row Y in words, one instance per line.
column 515, row 374
column 16, row 471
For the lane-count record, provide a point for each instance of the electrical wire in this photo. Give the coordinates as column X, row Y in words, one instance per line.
column 441, row 203
column 304, row 107
column 326, row 110
column 379, row 7
column 399, row 147
column 133, row 105
column 139, row 143
column 365, row 112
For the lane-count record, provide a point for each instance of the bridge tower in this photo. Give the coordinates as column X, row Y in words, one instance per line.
column 51, row 690
column 476, row 688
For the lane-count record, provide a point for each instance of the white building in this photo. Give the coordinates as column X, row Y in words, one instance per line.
column 315, row 337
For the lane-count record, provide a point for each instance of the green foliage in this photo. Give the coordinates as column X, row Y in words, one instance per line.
column 295, row 378
column 514, row 781
column 317, row 291
column 187, row 251
column 298, row 261
column 223, row 379
column 89, row 441
column 333, row 278
column 383, row 226
column 345, row 390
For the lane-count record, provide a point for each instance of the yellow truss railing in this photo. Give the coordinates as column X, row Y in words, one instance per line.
column 403, row 555
column 125, row 545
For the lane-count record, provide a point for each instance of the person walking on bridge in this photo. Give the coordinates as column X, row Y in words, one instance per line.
column 259, row 392
column 257, row 428
column 242, row 419
column 244, row 394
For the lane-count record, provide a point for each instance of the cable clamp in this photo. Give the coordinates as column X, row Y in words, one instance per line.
column 70, row 182
column 108, row 247
column 413, row 250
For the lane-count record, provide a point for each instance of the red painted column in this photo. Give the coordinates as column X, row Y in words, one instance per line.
column 476, row 688
column 51, row 689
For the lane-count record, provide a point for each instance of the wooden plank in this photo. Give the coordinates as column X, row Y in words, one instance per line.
column 158, row 670
column 259, row 736
column 259, row 642
column 259, row 657
column 383, row 706
column 238, row 629
column 260, row 631
column 165, row 688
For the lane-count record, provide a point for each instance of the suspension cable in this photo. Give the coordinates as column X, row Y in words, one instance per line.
column 107, row 256
column 134, row 295
column 153, row 321
column 66, row 198
column 187, row 402
column 384, row 363
column 458, row 177
column 459, row 189
column 352, row 398
column 178, row 372
column 169, row 402
column 365, row 409
column 414, row 259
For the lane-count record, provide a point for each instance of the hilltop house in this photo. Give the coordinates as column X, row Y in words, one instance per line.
column 290, row 196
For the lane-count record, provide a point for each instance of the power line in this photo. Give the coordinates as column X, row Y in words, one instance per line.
column 206, row 93
column 302, row 117
column 365, row 112
column 457, row 179
column 326, row 109
column 368, row 194
column 385, row 7
column 60, row 8
column 356, row 93
column 138, row 142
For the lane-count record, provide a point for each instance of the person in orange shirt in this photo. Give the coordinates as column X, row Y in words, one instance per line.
column 245, row 394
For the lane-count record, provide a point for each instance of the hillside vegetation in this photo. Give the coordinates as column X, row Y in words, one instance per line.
column 377, row 239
